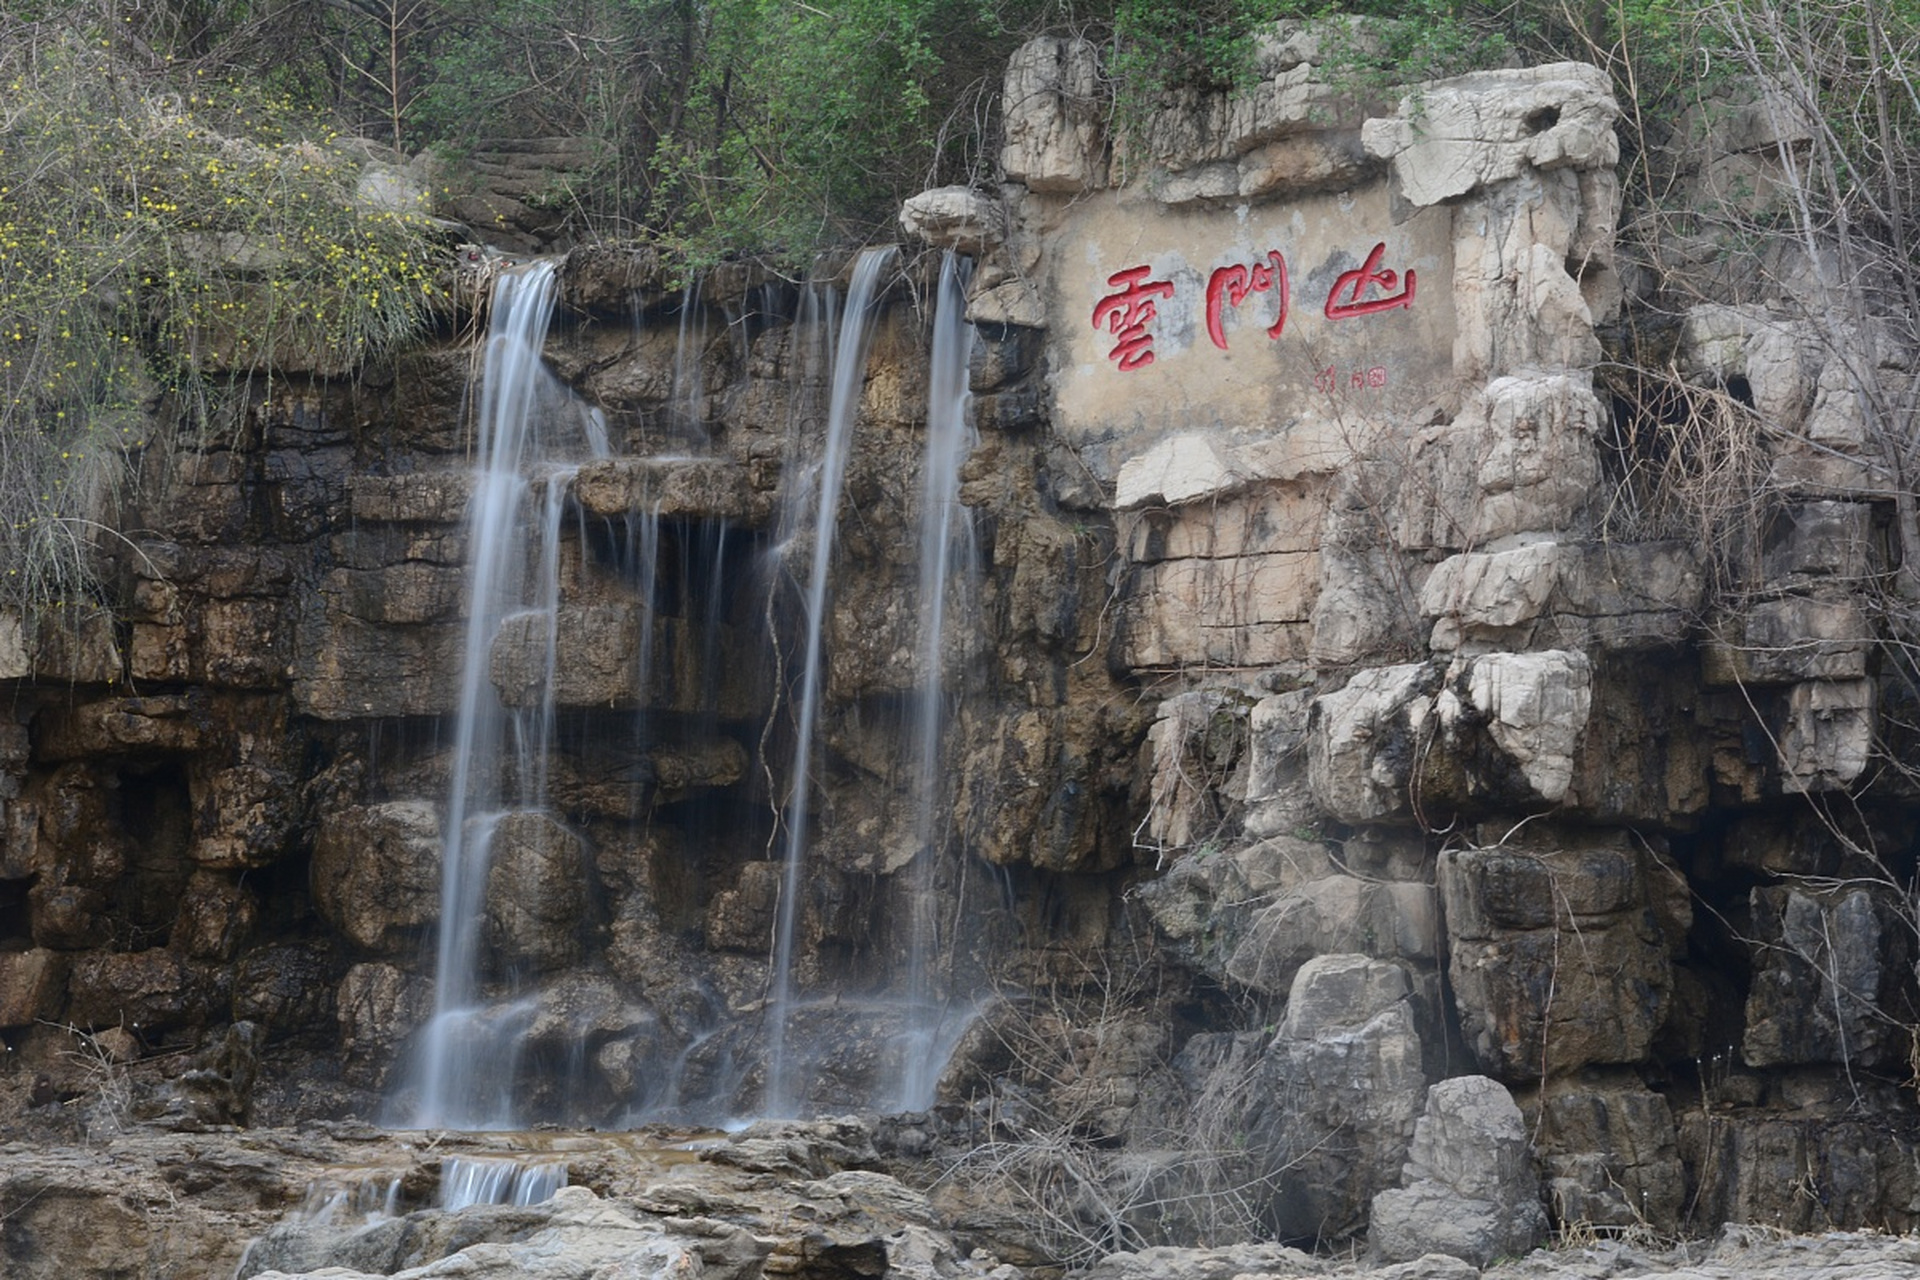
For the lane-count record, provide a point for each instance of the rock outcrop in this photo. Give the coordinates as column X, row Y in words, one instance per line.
column 1347, row 765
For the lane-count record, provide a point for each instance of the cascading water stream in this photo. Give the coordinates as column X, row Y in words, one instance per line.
column 466, row 1058
column 945, row 535
column 849, row 379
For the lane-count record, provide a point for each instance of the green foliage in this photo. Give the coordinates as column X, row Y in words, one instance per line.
column 153, row 233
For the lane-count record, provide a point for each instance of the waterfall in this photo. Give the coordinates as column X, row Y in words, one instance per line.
column 471, row 1180
column 468, row 1052
column 849, row 379
column 945, row 533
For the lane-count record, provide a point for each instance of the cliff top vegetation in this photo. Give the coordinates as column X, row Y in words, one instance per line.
column 177, row 178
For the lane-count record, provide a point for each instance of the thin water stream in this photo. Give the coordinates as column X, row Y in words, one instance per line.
column 849, row 379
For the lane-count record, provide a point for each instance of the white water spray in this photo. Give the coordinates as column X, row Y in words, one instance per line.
column 849, row 379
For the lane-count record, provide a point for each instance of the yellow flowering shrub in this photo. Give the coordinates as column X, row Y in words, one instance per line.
column 154, row 237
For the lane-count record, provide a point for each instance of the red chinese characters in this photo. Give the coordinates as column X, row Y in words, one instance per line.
column 1126, row 314
column 1355, row 284
column 1231, row 286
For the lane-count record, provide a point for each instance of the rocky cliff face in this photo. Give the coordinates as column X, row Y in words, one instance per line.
column 1318, row 732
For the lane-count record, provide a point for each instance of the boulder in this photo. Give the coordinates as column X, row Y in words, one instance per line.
column 957, row 218
column 1342, row 1083
column 1470, row 1190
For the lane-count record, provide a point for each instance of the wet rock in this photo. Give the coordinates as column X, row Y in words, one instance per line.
column 153, row 991
column 378, row 1007
column 376, row 872
column 1471, row 1191
column 536, row 899
column 286, row 990
column 217, row 915
column 613, row 279
column 246, row 815
column 218, row 1088
column 33, row 986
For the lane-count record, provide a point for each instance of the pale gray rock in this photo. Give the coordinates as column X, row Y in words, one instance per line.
column 1362, row 740
column 1574, row 596
column 958, row 218
column 1458, row 135
column 1011, row 302
column 1517, row 306
column 1821, row 540
column 1052, row 107
column 1193, row 743
column 1338, row 914
column 1471, row 1190
column 1344, row 1081
column 1828, row 738
column 1533, row 705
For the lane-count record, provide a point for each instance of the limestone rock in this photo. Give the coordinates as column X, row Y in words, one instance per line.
column 1533, row 705
column 376, row 873
column 536, row 890
column 1827, row 978
column 1344, row 1083
column 1793, row 639
column 1828, row 738
column 957, row 218
column 33, row 986
column 1471, row 1190
column 1573, row 596
column 1518, row 307
column 683, row 489
column 1610, row 1155
column 1474, row 130
column 378, row 1006
column 1820, row 540
column 1194, row 743
column 1052, row 107
column 1338, row 914
column 1014, row 303
column 1363, row 741
column 150, row 991
column 1557, row 958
